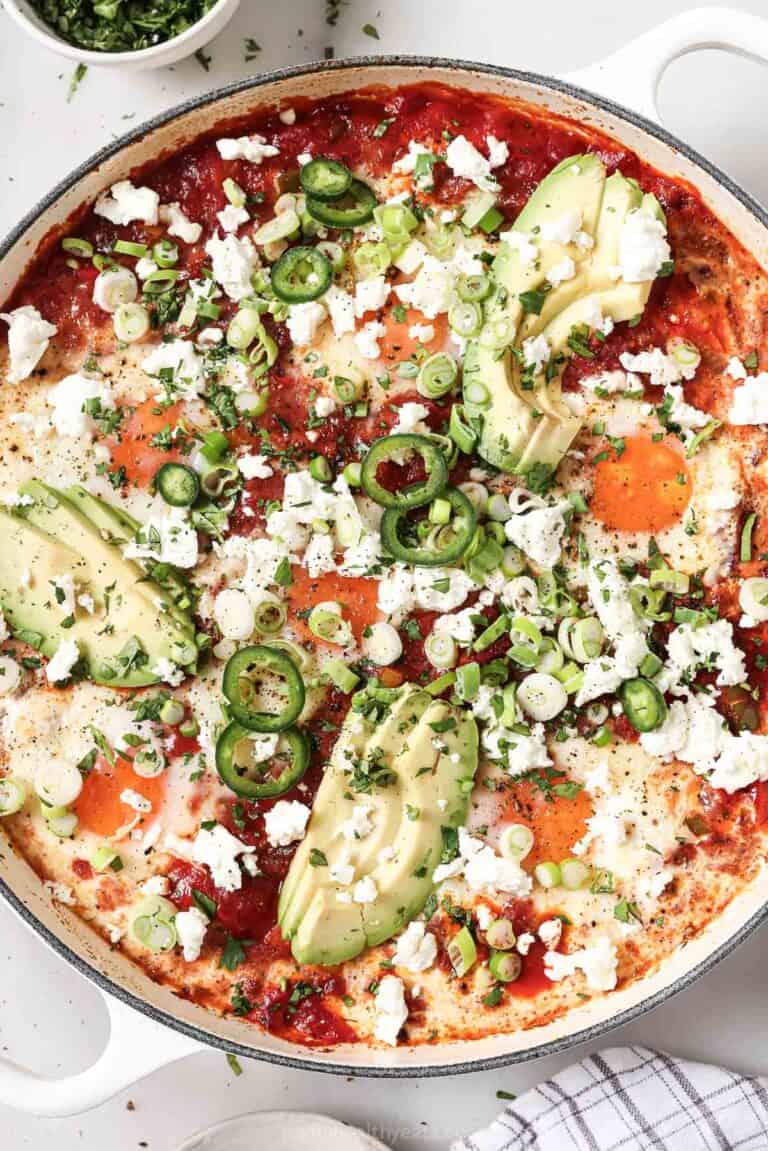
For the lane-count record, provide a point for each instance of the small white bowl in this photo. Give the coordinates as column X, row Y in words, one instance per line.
column 281, row 1131
column 158, row 56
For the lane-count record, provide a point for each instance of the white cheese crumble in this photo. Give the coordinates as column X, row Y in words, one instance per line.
column 563, row 229
column 391, row 1009
column 124, row 203
column 550, row 933
column 430, row 292
column 750, row 402
column 233, row 613
column 536, row 353
column 232, row 218
column 562, row 271
column 598, row 963
column 359, row 824
column 183, row 361
column 365, row 890
column 415, row 949
column 484, row 870
column 367, row 340
column 28, row 338
column 191, row 927
column 465, row 161
column 536, row 526
column 735, row 369
column 407, row 163
column 179, row 224
column 62, row 662
column 304, row 321
column 218, row 850
column 254, row 467
column 410, row 418
column 135, row 800
column 371, row 295
column 167, row 536
column 254, row 149
column 286, row 822
column 234, row 262
column 643, row 247
column 60, row 892
column 527, row 251
column 68, row 399
column 341, row 309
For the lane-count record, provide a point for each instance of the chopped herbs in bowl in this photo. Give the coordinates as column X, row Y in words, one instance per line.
column 121, row 25
column 130, row 33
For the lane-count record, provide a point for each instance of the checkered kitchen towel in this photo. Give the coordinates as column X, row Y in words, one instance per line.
column 632, row 1099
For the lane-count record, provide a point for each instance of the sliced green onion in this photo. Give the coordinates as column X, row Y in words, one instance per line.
column 351, row 474
column 473, row 288
column 62, row 825
column 234, row 193
column 269, row 617
column 498, row 332
column 131, row 322
column 437, row 376
column 243, row 328
column 468, row 680
column 104, row 857
column 476, row 207
column 320, row 469
column 189, row 727
column 571, row 677
column 165, row 253
column 505, row 966
column 547, row 874
column 465, row 318
column 516, row 841
column 326, row 622
column 159, row 281
column 333, row 252
column 78, row 247
column 542, row 696
column 647, row 603
column 477, row 394
column 279, row 228
column 491, row 634
column 348, row 390
column 753, row 598
column 551, row 656
column 526, row 641
column 586, row 639
column 684, row 353
column 575, row 874
column 13, row 793
column 371, row 260
column 497, row 508
column 513, row 562
column 440, row 511
column 341, row 676
column 462, row 951
column 602, row 737
column 678, row 583
column 500, row 935
column 441, row 684
column 172, row 712
column 154, row 926
column 650, row 666
column 263, row 355
column 476, row 493
column 745, row 548
column 441, row 650
column 128, row 248
column 460, row 430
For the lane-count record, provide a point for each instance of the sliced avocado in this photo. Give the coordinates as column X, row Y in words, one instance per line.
column 525, row 423
column 117, row 526
column 429, row 750
column 508, row 431
column 133, row 625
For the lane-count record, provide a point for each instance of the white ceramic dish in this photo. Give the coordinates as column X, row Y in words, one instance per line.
column 150, row 1025
column 158, row 56
column 281, row 1131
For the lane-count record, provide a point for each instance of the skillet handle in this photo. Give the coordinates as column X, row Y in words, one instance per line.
column 136, row 1046
column 631, row 75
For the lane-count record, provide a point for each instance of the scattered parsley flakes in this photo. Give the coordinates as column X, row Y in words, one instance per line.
column 203, row 59
column 234, row 1064
column 251, row 49
column 77, row 78
column 372, row 31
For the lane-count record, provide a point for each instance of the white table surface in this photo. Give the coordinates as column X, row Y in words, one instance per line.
column 50, row 1018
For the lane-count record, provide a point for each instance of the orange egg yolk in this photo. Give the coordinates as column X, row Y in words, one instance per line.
column 644, row 488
